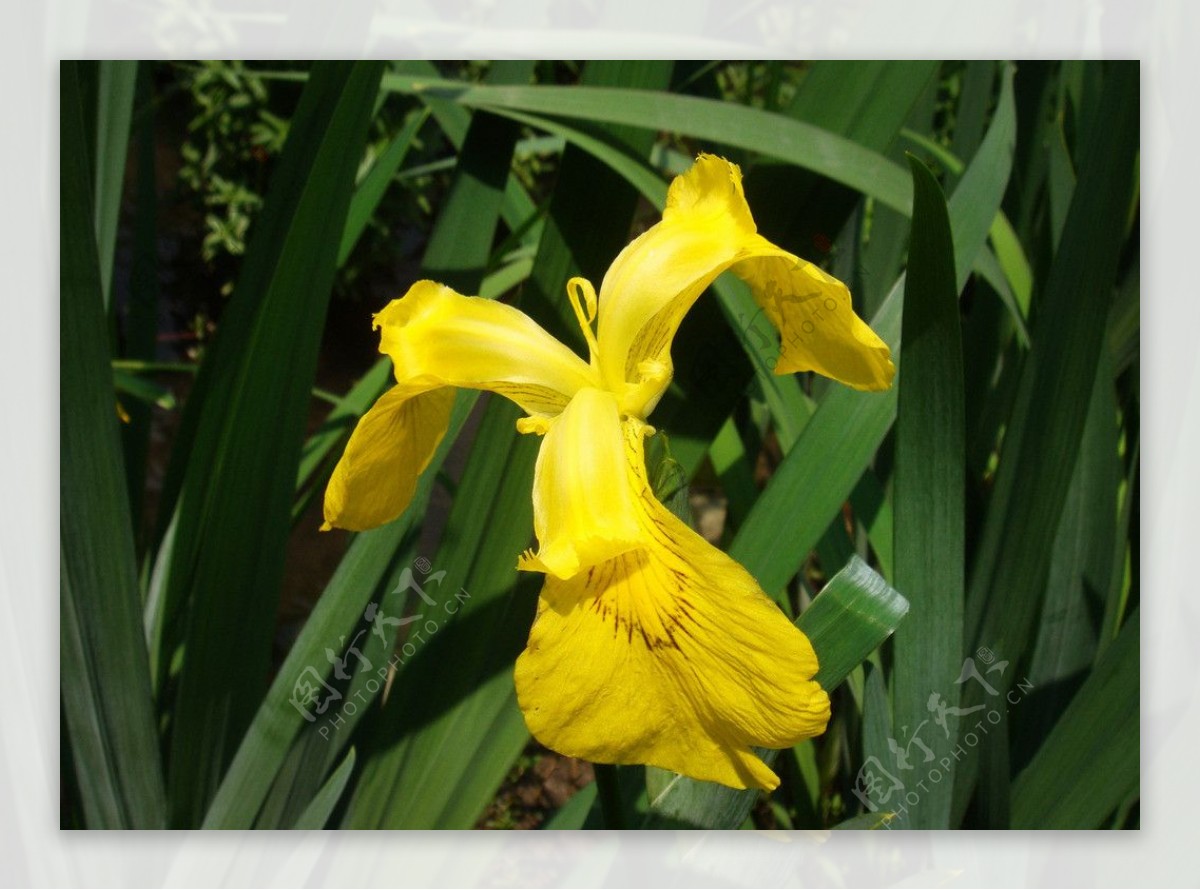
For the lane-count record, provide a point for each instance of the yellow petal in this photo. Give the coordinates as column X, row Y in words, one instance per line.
column 584, row 507
column 436, row 337
column 818, row 328
column 669, row 655
column 707, row 228
column 391, row 446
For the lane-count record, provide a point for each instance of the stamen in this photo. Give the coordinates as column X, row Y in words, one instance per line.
column 640, row 398
column 581, row 294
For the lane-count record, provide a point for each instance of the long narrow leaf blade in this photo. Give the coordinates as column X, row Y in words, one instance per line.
column 105, row 681
column 1089, row 762
column 929, row 487
column 235, row 499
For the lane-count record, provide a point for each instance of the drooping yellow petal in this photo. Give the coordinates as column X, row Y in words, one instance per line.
column 585, row 510
column 707, row 228
column 818, row 328
column 437, row 337
column 391, row 446
column 669, row 655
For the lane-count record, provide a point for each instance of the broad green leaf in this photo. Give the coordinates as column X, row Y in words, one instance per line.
column 458, row 247
column 1061, row 181
column 1090, row 761
column 807, row 146
column 517, row 207
column 107, row 702
column 853, row 614
column 929, row 486
column 248, row 425
column 866, row 102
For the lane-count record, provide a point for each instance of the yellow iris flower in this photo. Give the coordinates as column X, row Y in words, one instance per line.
column 650, row 645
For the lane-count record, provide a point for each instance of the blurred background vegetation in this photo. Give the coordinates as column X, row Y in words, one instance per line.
column 229, row 227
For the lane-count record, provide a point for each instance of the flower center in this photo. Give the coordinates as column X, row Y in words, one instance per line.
column 634, row 399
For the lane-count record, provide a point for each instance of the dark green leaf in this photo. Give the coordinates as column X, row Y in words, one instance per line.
column 1042, row 440
column 373, row 186
column 114, row 110
column 248, row 424
column 105, row 682
column 1090, row 761
column 367, row 566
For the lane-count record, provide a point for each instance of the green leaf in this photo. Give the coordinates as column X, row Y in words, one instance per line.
column 368, row 565
column 864, row 101
column 929, row 485
column 853, row 614
column 439, row 756
column 807, row 146
column 1090, row 761
column 1042, row 440
column 406, row 741
column 317, row 813
column 459, row 248
column 1081, row 568
column 822, row 469
column 114, row 110
column 574, row 812
column 449, row 730
column 141, row 324
column 146, row 391
column 374, row 185
column 107, row 702
column 975, row 97
column 248, row 424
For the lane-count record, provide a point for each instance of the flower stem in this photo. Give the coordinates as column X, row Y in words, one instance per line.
column 608, row 786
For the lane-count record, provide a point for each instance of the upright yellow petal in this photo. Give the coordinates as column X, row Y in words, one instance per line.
column 391, row 446
column 585, row 509
column 669, row 655
column 707, row 228
column 437, row 337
